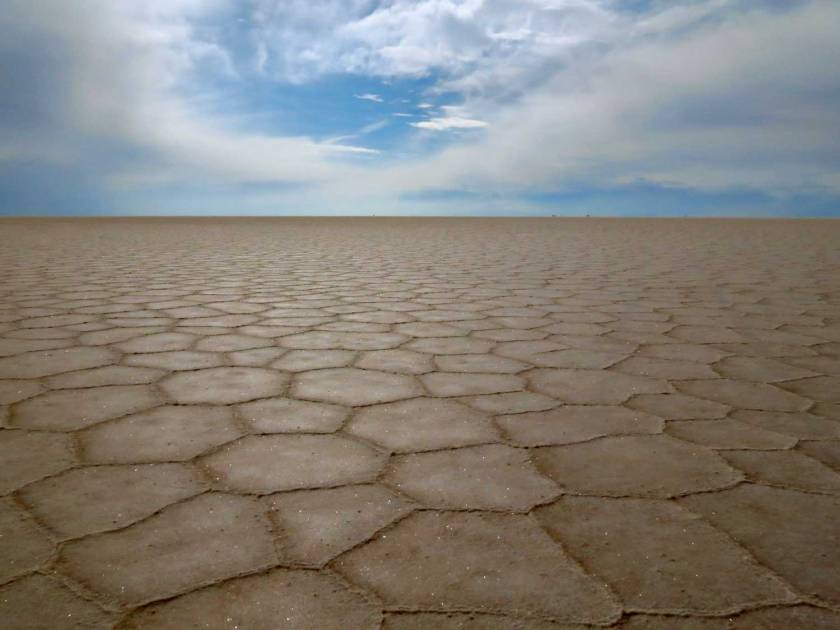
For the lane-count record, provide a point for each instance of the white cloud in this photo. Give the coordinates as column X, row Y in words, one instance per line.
column 749, row 99
column 457, row 38
column 707, row 94
column 444, row 123
column 363, row 131
column 369, row 97
column 121, row 66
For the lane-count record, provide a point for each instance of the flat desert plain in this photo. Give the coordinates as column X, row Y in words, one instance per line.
column 537, row 424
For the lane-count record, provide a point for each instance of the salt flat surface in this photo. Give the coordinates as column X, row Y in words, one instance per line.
column 419, row 423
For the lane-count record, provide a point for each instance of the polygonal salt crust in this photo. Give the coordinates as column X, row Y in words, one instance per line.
column 285, row 415
column 594, row 387
column 280, row 598
column 793, row 533
column 167, row 433
column 39, row 602
column 422, row 424
column 654, row 466
column 491, row 477
column 209, row 538
column 271, row 463
column 457, row 561
column 576, row 423
column 352, row 386
column 318, row 525
column 47, row 362
column 71, row 409
column 224, row 385
column 658, row 556
column 24, row 546
column 27, row 456
column 88, row 500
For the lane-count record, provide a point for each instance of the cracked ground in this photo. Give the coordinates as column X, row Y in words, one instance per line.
column 537, row 424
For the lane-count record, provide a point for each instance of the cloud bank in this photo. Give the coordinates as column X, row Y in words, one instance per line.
column 494, row 104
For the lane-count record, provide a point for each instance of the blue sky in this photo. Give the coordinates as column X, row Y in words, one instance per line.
column 496, row 107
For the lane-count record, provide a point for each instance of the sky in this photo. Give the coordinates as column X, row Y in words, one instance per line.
column 420, row 107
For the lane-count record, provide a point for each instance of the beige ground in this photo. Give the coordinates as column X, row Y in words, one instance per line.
column 418, row 424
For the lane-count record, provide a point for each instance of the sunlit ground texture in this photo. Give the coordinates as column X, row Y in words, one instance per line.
column 419, row 423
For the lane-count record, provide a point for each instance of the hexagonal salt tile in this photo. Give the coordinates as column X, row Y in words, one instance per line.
column 158, row 342
column 31, row 455
column 15, row 390
column 805, row 426
column 285, row 415
column 47, row 362
column 38, row 602
column 491, row 477
column 450, row 345
column 24, row 546
column 231, row 343
column 51, row 321
column 594, row 387
column 822, row 388
column 788, row 617
column 759, row 370
column 303, row 360
column 576, row 423
column 729, row 434
column 71, row 409
column 168, row 433
column 696, row 353
column 465, row 621
column 401, row 361
column 793, row 533
column 826, row 452
column 665, row 368
column 116, row 335
column 203, row 540
column 511, row 402
column 789, row 469
column 828, row 410
column 107, row 375
column 354, row 387
column 176, row 360
column 280, row 598
column 422, row 424
column 223, row 321
column 456, row 561
column 576, row 358
column 745, row 395
column 9, row 347
column 635, row 466
column 774, row 618
column 224, row 385
column 87, row 500
column 678, row 406
column 318, row 525
column 479, row 363
column 429, row 329
column 271, row 463
column 658, row 556
column 256, row 357
column 323, row 340
column 458, row 384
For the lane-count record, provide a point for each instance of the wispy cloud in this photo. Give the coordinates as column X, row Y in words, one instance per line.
column 369, row 97
column 363, row 131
